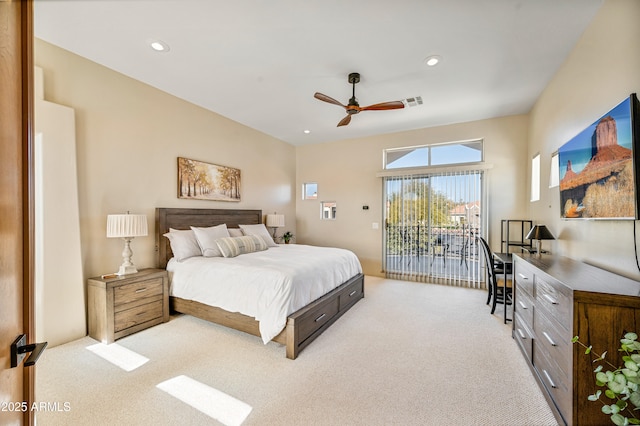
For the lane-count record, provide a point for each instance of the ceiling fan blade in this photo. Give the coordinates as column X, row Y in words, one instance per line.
column 383, row 106
column 345, row 121
column 326, row 98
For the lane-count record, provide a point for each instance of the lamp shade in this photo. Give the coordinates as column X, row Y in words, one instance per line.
column 275, row 220
column 126, row 225
column 540, row 232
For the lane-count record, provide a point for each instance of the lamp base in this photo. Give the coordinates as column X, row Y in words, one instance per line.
column 126, row 270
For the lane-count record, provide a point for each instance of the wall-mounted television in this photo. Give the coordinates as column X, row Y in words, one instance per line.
column 598, row 167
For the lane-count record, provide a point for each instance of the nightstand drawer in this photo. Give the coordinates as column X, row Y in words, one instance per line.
column 129, row 293
column 138, row 315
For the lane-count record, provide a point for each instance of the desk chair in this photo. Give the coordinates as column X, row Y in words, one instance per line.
column 495, row 277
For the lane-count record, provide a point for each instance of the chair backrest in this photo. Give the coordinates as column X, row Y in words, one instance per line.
column 488, row 258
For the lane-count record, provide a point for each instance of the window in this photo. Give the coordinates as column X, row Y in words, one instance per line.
column 535, row 178
column 554, row 174
column 328, row 210
column 434, row 155
column 309, row 191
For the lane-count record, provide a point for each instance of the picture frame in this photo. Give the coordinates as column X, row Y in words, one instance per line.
column 598, row 167
column 198, row 180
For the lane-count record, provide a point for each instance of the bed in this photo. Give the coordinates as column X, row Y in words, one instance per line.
column 301, row 327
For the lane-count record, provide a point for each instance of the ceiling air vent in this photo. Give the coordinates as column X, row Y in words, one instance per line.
column 415, row 101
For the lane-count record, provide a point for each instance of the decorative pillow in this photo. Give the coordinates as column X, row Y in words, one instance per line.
column 183, row 244
column 235, row 232
column 259, row 230
column 207, row 237
column 235, row 246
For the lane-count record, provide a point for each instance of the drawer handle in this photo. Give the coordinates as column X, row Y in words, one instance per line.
column 352, row 293
column 553, row 385
column 522, row 335
column 320, row 317
column 549, row 339
column 522, row 304
column 524, row 277
column 140, row 290
column 550, row 299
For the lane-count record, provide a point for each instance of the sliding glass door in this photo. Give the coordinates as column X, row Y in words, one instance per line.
column 431, row 223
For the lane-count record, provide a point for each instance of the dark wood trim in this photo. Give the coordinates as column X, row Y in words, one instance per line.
column 28, row 176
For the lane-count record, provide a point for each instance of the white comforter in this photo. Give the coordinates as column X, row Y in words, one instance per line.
column 267, row 285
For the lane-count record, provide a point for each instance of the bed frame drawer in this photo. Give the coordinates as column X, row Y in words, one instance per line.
column 316, row 317
column 351, row 294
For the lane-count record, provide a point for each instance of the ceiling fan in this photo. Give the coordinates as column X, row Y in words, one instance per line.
column 353, row 107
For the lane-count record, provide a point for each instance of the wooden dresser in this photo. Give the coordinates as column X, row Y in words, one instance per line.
column 557, row 298
column 127, row 304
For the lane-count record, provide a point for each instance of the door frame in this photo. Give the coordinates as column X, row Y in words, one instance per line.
column 17, row 197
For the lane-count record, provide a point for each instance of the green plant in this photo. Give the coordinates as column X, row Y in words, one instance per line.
column 623, row 383
column 287, row 236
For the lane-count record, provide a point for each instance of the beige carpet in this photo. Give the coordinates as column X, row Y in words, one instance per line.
column 407, row 354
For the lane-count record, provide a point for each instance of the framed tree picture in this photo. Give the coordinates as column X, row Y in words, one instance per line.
column 198, row 180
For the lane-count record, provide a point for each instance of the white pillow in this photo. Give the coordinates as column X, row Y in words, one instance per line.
column 207, row 239
column 261, row 231
column 183, row 244
column 235, row 232
column 235, row 246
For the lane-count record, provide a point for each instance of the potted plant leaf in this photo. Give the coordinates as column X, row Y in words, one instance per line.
column 287, row 237
column 621, row 398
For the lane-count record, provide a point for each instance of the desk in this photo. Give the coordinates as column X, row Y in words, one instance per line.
column 507, row 261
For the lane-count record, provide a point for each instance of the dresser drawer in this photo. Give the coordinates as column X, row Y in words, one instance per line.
column 524, row 306
column 557, row 384
column 555, row 341
column 316, row 317
column 137, row 315
column 351, row 294
column 523, row 335
column 555, row 299
column 524, row 277
column 137, row 291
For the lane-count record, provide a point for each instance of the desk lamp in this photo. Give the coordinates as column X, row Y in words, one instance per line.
column 539, row 233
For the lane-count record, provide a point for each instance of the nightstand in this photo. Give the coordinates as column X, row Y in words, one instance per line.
column 126, row 304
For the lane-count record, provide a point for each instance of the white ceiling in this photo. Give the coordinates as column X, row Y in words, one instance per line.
column 259, row 62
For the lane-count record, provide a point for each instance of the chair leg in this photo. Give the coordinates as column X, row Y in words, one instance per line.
column 495, row 300
column 489, row 293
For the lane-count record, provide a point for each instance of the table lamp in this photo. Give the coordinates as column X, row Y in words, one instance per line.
column 275, row 221
column 126, row 226
column 539, row 233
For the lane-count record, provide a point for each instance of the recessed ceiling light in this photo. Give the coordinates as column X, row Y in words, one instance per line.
column 432, row 61
column 159, row 46
column 306, row 132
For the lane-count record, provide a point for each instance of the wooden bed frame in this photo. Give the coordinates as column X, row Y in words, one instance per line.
column 303, row 326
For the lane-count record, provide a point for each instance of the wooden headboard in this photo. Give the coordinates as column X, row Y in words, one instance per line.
column 184, row 218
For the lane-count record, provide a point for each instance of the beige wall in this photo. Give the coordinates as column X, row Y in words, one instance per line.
column 129, row 136
column 601, row 71
column 346, row 173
